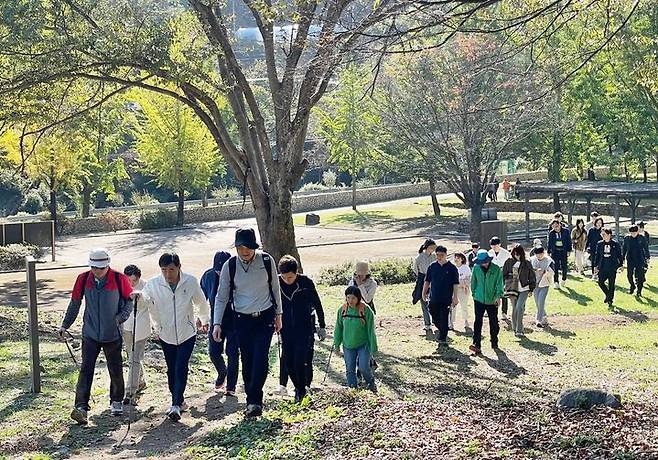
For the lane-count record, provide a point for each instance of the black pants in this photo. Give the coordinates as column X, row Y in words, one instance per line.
column 178, row 367
column 494, row 328
column 560, row 259
column 90, row 352
column 295, row 355
column 638, row 279
column 254, row 339
column 609, row 290
column 226, row 372
column 440, row 318
column 504, row 304
column 283, row 370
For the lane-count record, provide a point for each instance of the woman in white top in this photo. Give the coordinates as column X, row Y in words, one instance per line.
column 463, row 290
column 365, row 283
column 543, row 266
column 137, row 328
column 420, row 265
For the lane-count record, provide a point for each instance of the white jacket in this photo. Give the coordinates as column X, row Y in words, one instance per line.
column 500, row 258
column 173, row 312
column 143, row 323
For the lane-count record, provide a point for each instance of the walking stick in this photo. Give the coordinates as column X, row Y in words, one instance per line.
column 326, row 371
column 278, row 346
column 131, row 370
column 68, row 347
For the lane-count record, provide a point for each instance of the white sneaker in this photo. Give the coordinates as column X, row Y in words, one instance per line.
column 116, row 408
column 428, row 328
column 174, row 413
column 184, row 407
column 556, row 285
column 283, row 391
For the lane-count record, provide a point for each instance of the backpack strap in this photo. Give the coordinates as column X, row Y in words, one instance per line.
column 117, row 280
column 84, row 284
column 232, row 266
column 267, row 262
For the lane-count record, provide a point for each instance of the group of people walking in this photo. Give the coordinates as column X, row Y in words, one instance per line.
column 241, row 303
column 507, row 279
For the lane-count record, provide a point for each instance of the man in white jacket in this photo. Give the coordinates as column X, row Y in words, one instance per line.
column 174, row 295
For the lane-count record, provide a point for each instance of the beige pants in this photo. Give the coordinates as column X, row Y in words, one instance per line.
column 135, row 363
column 463, row 298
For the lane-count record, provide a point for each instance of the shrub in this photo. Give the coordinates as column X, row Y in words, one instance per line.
column 142, row 199
column 12, row 256
column 365, row 182
column 313, row 187
column 329, row 178
column 33, row 203
column 114, row 220
column 386, row 271
column 159, row 218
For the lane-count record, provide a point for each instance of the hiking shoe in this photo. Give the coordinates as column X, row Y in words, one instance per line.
column 282, row 390
column 475, row 349
column 631, row 290
column 519, row 334
column 253, row 410
column 229, row 393
column 539, row 324
column 116, row 408
column 174, row 413
column 184, row 407
column 79, row 415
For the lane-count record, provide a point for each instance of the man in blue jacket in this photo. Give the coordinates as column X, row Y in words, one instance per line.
column 107, row 307
column 559, row 247
column 227, row 376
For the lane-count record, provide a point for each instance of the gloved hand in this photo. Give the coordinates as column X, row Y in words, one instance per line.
column 322, row 334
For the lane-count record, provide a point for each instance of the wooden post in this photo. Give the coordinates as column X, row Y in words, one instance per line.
column 616, row 198
column 526, row 209
column 589, row 208
column 33, row 323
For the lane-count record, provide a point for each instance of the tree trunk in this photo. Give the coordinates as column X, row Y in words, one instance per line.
column 435, row 202
column 645, row 173
column 180, row 214
column 476, row 220
column 556, row 202
column 204, row 198
column 53, row 208
column 354, row 192
column 86, row 200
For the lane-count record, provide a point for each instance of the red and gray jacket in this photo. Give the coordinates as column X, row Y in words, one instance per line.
column 107, row 305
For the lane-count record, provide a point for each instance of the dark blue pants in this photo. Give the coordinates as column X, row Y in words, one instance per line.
column 90, row 351
column 225, row 372
column 178, row 360
column 283, row 370
column 295, row 355
column 254, row 339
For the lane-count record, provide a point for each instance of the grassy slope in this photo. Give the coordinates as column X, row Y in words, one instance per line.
column 430, row 402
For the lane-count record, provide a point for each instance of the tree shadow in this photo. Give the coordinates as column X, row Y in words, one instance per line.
column 646, row 301
column 543, row 348
column 14, row 293
column 636, row 316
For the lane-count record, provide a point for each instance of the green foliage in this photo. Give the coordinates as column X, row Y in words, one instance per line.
column 313, row 187
column 33, row 203
column 142, row 199
column 12, row 192
column 12, row 256
column 385, row 271
column 225, row 194
column 159, row 218
column 329, row 178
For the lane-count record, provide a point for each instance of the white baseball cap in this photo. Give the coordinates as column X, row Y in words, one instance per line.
column 99, row 258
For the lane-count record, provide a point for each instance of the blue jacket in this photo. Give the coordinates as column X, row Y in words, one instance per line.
column 210, row 279
column 553, row 239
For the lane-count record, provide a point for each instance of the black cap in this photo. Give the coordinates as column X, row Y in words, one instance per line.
column 246, row 237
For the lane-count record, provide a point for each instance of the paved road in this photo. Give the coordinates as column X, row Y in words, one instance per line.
column 319, row 246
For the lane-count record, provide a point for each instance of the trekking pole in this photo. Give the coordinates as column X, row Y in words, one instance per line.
column 68, row 347
column 131, row 370
column 326, row 371
column 278, row 345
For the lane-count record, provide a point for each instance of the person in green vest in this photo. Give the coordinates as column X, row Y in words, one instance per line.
column 355, row 330
column 487, row 289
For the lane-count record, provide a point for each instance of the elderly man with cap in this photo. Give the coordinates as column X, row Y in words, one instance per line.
column 487, row 289
column 107, row 307
column 248, row 284
column 636, row 255
column 227, row 376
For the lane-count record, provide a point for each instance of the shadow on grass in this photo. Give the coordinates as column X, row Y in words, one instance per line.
column 558, row 333
column 543, row 348
column 387, row 221
column 504, row 365
column 636, row 316
column 581, row 299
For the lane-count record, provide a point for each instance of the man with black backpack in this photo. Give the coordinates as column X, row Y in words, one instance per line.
column 107, row 307
column 248, row 285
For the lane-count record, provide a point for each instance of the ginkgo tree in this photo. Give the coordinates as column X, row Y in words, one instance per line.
column 175, row 146
column 350, row 125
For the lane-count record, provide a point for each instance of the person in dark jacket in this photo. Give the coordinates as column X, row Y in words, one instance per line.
column 607, row 261
column 636, row 257
column 107, row 306
column 301, row 304
column 559, row 247
column 475, row 247
column 593, row 238
column 227, row 375
column 440, row 290
column 520, row 281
